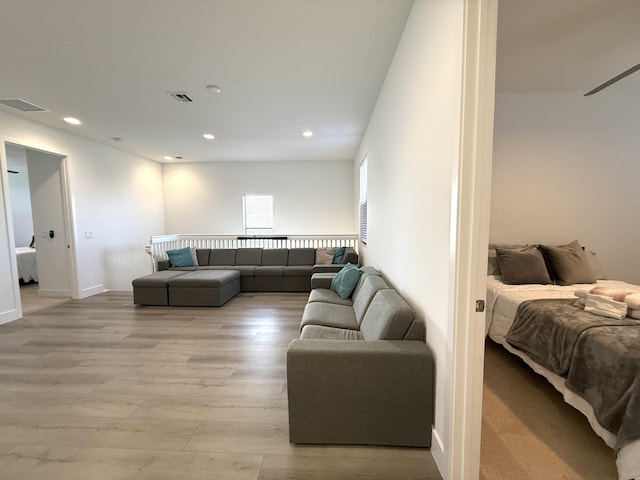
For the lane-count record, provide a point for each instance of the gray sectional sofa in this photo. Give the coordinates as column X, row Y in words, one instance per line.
column 222, row 273
column 360, row 373
column 266, row 269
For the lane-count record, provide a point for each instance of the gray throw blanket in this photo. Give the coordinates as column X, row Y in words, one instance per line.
column 599, row 356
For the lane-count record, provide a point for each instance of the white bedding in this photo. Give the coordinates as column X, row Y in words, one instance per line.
column 27, row 267
column 502, row 303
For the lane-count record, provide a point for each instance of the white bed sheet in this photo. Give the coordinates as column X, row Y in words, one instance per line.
column 27, row 266
column 502, row 304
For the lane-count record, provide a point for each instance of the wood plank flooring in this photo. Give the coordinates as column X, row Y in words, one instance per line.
column 101, row 389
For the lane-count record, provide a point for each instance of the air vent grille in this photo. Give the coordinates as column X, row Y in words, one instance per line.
column 181, row 97
column 21, row 105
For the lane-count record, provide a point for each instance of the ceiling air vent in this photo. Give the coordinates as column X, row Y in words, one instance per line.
column 181, row 97
column 21, row 105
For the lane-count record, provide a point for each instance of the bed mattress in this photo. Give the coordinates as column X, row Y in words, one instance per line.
column 27, row 267
column 502, row 305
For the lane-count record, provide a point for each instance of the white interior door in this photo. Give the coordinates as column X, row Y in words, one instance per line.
column 10, row 308
column 47, row 203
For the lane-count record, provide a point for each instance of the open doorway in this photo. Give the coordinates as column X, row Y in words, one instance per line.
column 40, row 227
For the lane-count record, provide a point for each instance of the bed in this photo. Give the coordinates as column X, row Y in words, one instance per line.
column 592, row 359
column 27, row 267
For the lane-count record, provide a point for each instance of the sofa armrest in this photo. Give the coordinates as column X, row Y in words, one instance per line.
column 350, row 256
column 360, row 392
column 327, row 268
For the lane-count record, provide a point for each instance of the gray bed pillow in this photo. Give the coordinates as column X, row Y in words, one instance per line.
column 492, row 263
column 569, row 264
column 522, row 266
column 596, row 268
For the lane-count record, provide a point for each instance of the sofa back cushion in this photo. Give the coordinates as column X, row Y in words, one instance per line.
column 275, row 256
column 249, row 256
column 222, row 256
column 388, row 317
column 202, row 254
column 302, row 256
column 364, row 293
column 350, row 256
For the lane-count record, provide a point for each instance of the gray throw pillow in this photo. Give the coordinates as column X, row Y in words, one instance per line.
column 522, row 266
column 569, row 264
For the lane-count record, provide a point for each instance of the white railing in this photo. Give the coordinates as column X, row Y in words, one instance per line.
column 159, row 244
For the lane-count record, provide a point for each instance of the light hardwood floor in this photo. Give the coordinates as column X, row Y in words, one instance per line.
column 101, row 389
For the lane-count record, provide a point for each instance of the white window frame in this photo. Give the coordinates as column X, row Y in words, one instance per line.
column 363, row 203
column 258, row 214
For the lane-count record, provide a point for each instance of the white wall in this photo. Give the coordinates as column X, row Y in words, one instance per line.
column 20, row 196
column 412, row 146
column 309, row 197
column 566, row 167
column 115, row 195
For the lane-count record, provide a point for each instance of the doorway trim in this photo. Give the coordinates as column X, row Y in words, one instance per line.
column 67, row 214
column 472, row 194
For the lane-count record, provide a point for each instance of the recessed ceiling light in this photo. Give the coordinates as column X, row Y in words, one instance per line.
column 307, row 133
column 213, row 89
column 167, row 157
column 209, row 136
column 72, row 120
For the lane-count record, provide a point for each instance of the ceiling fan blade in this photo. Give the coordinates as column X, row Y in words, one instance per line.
column 626, row 73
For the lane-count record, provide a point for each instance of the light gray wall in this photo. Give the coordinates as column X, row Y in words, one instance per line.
column 20, row 196
column 309, row 197
column 412, row 147
column 566, row 168
column 115, row 195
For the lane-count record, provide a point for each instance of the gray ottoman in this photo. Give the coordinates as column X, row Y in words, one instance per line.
column 204, row 288
column 152, row 289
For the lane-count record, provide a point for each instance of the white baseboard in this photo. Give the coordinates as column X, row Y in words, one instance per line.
column 53, row 293
column 9, row 316
column 87, row 292
column 437, row 450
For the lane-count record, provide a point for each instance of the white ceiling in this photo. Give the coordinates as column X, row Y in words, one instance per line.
column 567, row 45
column 283, row 65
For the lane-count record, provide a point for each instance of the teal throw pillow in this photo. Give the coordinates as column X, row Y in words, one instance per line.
column 181, row 257
column 346, row 280
column 338, row 253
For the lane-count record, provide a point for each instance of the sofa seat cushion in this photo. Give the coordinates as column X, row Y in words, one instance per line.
column 327, row 295
column 216, row 267
column 270, row 271
column 388, row 317
column 204, row 278
column 157, row 279
column 328, row 315
column 298, row 271
column 245, row 270
column 184, row 269
column 320, row 332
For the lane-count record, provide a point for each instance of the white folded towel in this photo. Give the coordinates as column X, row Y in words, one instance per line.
column 633, row 313
column 605, row 307
column 633, row 301
column 582, row 292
